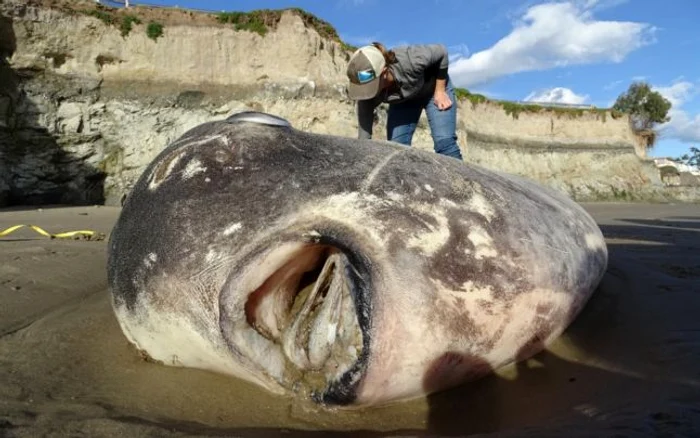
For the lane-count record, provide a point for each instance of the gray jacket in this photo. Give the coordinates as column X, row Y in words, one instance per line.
column 415, row 71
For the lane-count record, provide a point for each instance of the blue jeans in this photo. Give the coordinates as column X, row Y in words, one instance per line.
column 403, row 118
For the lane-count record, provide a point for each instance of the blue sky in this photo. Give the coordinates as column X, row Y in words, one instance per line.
column 576, row 51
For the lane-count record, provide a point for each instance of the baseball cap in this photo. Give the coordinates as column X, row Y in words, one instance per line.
column 364, row 68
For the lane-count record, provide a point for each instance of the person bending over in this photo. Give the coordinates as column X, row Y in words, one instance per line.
column 410, row 79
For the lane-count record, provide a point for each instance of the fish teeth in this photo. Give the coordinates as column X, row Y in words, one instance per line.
column 294, row 336
column 324, row 328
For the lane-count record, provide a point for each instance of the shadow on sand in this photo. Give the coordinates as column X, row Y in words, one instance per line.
column 34, row 168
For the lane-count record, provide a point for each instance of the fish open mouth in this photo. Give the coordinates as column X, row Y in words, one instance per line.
column 308, row 307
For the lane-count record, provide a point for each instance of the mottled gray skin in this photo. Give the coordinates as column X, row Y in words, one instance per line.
column 448, row 270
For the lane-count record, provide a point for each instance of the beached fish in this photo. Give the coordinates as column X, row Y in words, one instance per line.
column 352, row 272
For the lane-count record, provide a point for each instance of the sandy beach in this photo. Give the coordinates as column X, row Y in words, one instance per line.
column 628, row 366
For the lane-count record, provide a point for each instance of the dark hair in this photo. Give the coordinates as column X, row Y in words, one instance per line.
column 389, row 55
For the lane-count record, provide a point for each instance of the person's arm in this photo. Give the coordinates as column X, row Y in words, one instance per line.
column 439, row 55
column 440, row 97
column 430, row 55
column 442, row 100
column 365, row 119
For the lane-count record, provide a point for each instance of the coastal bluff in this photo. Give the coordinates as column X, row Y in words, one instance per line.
column 90, row 94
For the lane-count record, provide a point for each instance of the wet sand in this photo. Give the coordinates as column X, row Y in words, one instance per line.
column 628, row 366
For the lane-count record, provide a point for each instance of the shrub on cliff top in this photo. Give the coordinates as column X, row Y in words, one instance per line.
column 475, row 99
column 154, row 30
column 110, row 18
column 645, row 107
column 254, row 21
column 324, row 28
column 261, row 20
column 105, row 16
column 126, row 24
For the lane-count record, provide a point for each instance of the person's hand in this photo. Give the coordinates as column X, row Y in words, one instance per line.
column 442, row 100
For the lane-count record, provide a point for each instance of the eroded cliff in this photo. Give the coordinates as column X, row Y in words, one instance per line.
column 86, row 102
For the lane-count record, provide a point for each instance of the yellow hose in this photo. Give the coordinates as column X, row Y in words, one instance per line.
column 88, row 234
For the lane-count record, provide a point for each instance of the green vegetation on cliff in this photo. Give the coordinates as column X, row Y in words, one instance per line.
column 261, row 20
column 154, row 30
column 107, row 17
column 325, row 29
column 255, row 21
column 125, row 22
column 514, row 109
column 475, row 99
column 646, row 109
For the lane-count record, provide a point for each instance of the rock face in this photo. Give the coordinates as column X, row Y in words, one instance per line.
column 84, row 108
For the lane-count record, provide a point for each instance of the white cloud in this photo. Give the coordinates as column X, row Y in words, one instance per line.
column 554, row 35
column 600, row 5
column 678, row 93
column 683, row 126
column 556, row 95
